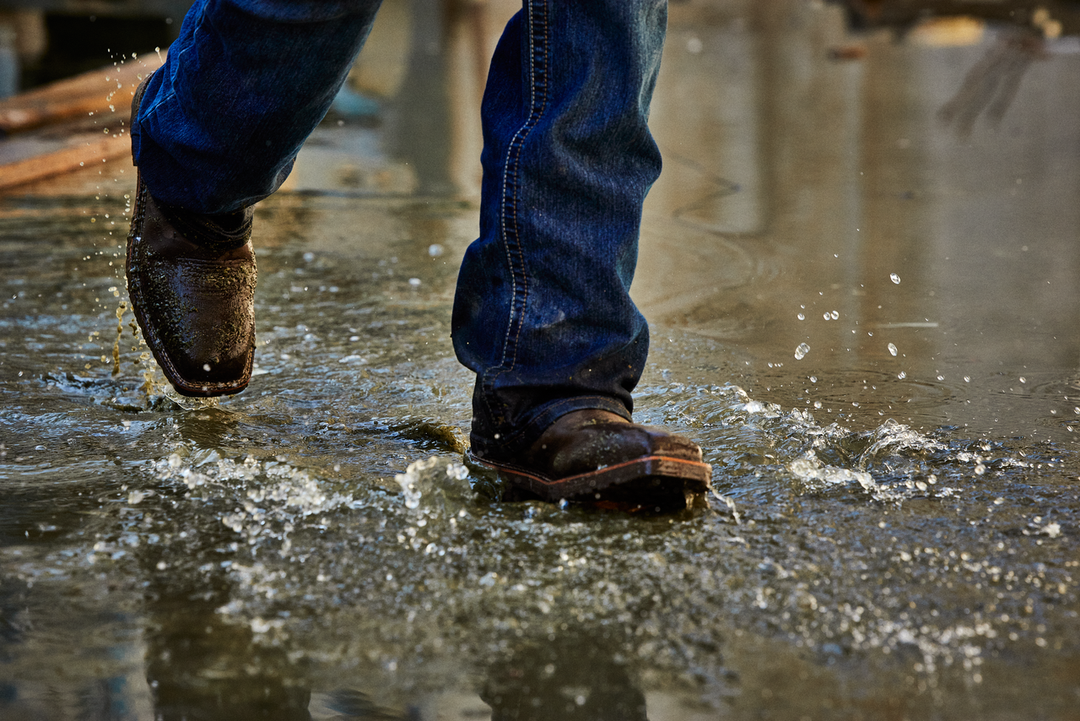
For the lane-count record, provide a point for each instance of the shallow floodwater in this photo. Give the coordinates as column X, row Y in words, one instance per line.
column 864, row 313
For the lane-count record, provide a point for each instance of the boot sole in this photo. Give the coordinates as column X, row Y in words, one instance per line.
column 648, row 480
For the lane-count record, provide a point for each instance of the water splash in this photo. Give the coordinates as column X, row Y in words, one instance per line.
column 814, row 475
column 437, row 482
column 188, row 403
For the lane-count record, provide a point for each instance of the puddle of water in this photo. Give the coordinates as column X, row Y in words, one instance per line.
column 893, row 534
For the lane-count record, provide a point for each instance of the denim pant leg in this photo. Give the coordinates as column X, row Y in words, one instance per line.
column 542, row 312
column 243, row 86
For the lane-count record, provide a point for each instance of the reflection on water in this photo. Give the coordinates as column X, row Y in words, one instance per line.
column 894, row 529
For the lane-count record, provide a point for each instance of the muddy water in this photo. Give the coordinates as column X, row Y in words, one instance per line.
column 864, row 315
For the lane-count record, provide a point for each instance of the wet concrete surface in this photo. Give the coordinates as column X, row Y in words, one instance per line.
column 863, row 310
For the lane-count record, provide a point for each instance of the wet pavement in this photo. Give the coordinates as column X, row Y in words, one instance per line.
column 859, row 266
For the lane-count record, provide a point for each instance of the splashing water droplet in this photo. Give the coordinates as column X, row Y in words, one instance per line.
column 892, row 349
column 801, row 351
column 894, row 278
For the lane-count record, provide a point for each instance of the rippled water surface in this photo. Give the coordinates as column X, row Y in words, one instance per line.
column 866, row 317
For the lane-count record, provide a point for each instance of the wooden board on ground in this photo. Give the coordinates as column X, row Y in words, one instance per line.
column 69, row 125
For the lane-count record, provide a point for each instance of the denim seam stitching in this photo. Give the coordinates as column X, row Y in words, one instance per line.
column 510, row 233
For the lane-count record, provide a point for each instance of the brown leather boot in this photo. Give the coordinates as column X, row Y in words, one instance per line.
column 191, row 280
column 596, row 455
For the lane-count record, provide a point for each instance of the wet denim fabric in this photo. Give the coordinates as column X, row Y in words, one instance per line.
column 242, row 87
column 542, row 312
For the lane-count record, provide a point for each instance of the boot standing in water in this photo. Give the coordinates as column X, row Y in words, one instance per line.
column 542, row 312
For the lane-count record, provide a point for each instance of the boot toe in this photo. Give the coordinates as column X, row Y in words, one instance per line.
column 194, row 306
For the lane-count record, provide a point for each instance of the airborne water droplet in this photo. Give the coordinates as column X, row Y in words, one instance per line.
column 801, row 351
column 894, row 278
column 892, row 349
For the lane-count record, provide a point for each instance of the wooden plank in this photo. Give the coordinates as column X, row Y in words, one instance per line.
column 66, row 160
column 104, row 91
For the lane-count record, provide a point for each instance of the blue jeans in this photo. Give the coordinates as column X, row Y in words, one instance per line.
column 542, row 312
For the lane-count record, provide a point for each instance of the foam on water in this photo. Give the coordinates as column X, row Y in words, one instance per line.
column 344, row 571
column 324, row 517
